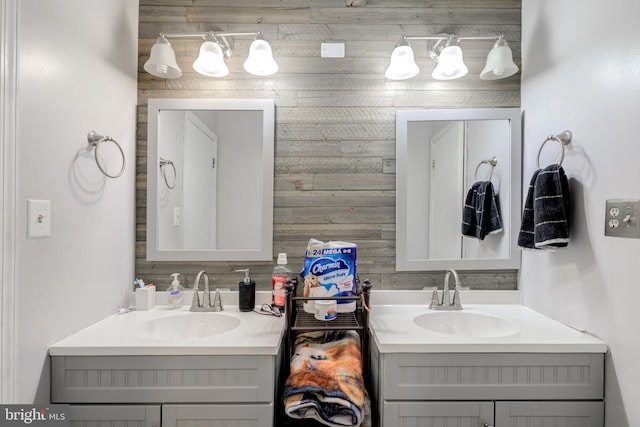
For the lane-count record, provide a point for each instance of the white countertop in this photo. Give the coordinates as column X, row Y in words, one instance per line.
column 119, row 335
column 394, row 331
column 392, row 327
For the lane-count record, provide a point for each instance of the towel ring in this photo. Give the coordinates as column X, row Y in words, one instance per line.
column 95, row 139
column 163, row 163
column 563, row 138
column 492, row 162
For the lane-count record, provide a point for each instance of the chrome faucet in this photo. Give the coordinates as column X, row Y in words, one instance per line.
column 446, row 303
column 205, row 304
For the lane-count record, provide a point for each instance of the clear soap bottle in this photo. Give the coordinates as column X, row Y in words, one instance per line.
column 175, row 292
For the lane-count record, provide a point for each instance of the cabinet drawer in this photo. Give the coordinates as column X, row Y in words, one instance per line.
column 218, row 415
column 492, row 376
column 159, row 379
column 463, row 414
column 584, row 414
column 114, row 415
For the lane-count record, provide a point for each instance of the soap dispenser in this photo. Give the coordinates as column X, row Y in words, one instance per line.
column 175, row 292
column 247, row 292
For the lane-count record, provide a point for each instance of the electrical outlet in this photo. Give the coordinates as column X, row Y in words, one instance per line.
column 622, row 218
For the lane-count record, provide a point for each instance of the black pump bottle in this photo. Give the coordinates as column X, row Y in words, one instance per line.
column 246, row 292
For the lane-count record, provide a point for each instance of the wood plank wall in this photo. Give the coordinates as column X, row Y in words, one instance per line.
column 335, row 117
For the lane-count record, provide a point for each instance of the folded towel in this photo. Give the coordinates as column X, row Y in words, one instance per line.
column 545, row 218
column 481, row 212
column 326, row 382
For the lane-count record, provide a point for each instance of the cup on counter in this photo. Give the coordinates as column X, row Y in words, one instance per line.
column 145, row 297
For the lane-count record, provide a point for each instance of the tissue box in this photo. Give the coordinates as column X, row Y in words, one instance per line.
column 145, row 298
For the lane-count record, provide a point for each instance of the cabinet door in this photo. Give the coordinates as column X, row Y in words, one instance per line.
column 570, row 414
column 435, row 414
column 114, row 415
column 232, row 415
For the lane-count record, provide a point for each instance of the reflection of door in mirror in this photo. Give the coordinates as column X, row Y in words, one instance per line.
column 199, row 209
column 447, row 147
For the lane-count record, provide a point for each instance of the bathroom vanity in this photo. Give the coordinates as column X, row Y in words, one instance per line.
column 166, row 367
column 488, row 365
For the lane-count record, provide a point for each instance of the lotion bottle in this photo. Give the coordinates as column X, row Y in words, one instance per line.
column 246, row 292
column 175, row 292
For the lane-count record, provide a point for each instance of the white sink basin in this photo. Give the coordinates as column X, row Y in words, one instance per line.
column 467, row 324
column 187, row 325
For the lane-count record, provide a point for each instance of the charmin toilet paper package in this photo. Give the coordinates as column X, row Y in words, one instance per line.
column 329, row 269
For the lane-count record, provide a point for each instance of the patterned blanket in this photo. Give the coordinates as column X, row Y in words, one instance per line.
column 326, row 382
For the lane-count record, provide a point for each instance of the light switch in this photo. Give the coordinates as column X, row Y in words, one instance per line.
column 176, row 216
column 38, row 219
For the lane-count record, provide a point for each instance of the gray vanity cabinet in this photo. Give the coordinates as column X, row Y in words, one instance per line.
column 584, row 414
column 493, row 389
column 114, row 415
column 223, row 415
column 165, row 391
column 463, row 414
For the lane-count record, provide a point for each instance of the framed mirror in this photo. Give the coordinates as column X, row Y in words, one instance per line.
column 210, row 179
column 440, row 156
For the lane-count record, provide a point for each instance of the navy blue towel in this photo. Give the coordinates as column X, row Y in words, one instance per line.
column 481, row 212
column 469, row 219
column 545, row 218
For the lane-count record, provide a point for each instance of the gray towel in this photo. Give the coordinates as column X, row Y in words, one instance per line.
column 481, row 212
column 545, row 219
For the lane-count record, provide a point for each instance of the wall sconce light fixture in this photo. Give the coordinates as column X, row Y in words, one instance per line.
column 444, row 49
column 214, row 51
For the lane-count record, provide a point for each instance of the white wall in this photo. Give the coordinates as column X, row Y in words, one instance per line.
column 581, row 71
column 77, row 64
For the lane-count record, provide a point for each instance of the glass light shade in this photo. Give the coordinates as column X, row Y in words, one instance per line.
column 450, row 64
column 402, row 65
column 210, row 61
column 500, row 63
column 260, row 61
column 162, row 60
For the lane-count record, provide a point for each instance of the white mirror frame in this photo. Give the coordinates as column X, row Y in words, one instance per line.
column 512, row 261
column 265, row 251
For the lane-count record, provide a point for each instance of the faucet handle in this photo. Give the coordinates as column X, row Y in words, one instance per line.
column 456, row 304
column 217, row 301
column 195, row 303
column 434, row 298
